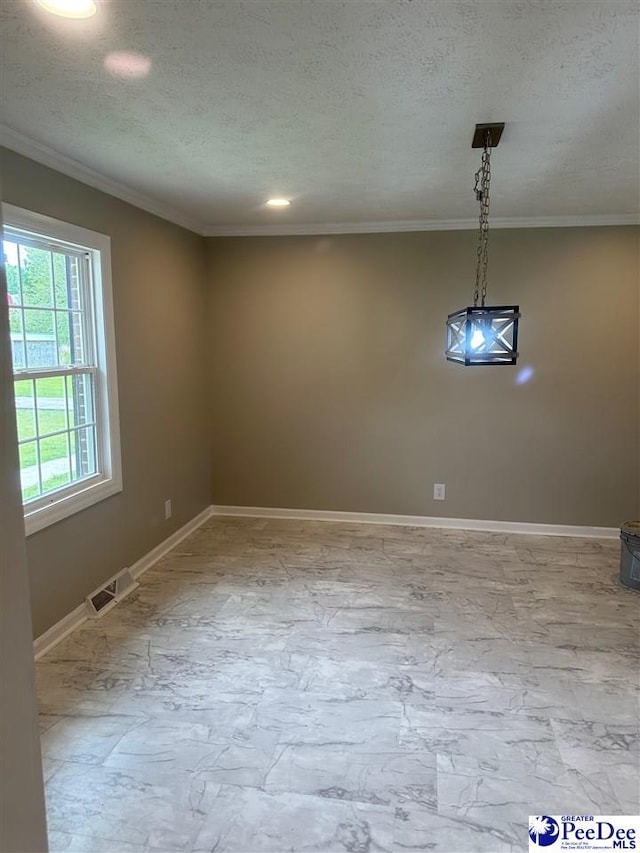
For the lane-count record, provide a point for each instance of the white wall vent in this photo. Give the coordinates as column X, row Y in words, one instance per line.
column 110, row 593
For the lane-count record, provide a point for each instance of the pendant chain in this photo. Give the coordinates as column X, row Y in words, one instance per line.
column 481, row 189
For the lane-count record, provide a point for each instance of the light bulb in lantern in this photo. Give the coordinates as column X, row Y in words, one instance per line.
column 477, row 339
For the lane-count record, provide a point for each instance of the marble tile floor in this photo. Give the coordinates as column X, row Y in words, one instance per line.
column 287, row 686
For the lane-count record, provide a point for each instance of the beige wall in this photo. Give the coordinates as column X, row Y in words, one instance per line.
column 158, row 291
column 330, row 389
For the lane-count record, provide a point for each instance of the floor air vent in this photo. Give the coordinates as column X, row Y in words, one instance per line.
column 110, row 593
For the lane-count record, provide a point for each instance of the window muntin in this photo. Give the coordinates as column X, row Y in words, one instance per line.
column 62, row 344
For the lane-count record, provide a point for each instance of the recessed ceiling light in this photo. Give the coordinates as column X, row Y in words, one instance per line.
column 69, row 8
column 278, row 202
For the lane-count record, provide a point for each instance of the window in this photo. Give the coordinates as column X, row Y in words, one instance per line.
column 62, row 342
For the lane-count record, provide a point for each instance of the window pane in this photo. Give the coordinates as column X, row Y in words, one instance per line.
column 80, row 402
column 25, row 409
column 11, row 268
column 83, row 452
column 17, row 338
column 26, row 419
column 15, row 320
column 77, row 344
column 37, row 286
column 55, row 481
column 50, row 424
column 29, row 470
column 54, row 461
column 76, row 301
column 71, row 349
column 60, row 280
column 64, row 337
column 24, row 388
column 40, row 338
column 50, row 403
column 30, row 492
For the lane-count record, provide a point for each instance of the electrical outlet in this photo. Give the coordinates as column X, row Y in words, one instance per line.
column 439, row 491
column 167, row 509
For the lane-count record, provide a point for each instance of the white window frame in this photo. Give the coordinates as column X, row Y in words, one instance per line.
column 60, row 504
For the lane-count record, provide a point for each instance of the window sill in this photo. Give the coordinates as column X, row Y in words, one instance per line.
column 62, row 507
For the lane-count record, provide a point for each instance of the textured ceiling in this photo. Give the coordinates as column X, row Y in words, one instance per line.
column 359, row 111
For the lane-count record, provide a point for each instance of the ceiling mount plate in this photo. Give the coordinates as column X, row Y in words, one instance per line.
column 495, row 132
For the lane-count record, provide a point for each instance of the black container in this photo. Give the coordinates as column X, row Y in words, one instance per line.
column 630, row 554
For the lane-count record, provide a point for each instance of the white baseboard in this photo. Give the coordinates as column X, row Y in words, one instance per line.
column 140, row 566
column 418, row 521
column 60, row 630
column 45, row 642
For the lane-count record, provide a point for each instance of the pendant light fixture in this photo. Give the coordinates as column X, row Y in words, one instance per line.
column 481, row 334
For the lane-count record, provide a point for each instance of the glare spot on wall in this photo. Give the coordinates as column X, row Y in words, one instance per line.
column 524, row 374
column 127, row 65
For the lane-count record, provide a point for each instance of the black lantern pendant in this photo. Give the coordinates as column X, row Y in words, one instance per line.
column 482, row 334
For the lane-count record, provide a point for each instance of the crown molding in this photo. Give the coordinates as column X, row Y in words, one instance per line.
column 46, row 156
column 394, row 226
